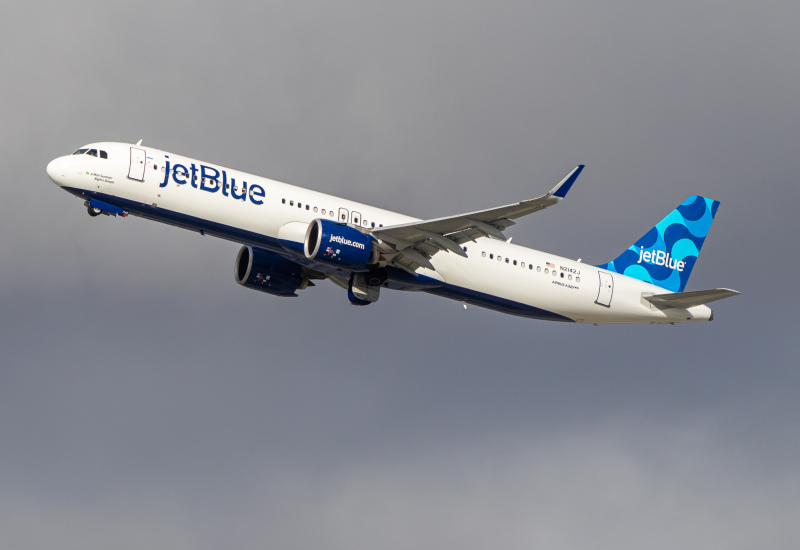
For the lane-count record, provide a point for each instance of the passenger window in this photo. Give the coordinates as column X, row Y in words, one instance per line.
column 546, row 271
column 307, row 207
column 538, row 268
column 92, row 152
column 291, row 203
column 522, row 265
column 104, row 155
column 506, row 260
column 465, row 249
column 299, row 205
column 155, row 167
column 323, row 211
column 315, row 210
column 515, row 262
column 562, row 275
column 569, row 277
column 483, row 253
column 577, row 279
column 499, row 259
column 373, row 225
column 163, row 168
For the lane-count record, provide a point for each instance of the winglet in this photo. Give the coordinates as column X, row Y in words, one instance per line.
column 563, row 187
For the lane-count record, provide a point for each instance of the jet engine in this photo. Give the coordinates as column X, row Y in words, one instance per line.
column 267, row 272
column 340, row 245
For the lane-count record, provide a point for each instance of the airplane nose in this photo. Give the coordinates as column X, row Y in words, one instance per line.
column 55, row 169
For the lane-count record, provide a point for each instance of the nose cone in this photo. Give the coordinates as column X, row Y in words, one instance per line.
column 57, row 170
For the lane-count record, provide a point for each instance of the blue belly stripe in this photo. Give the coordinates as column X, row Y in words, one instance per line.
column 291, row 250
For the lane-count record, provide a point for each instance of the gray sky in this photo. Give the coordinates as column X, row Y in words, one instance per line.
column 147, row 401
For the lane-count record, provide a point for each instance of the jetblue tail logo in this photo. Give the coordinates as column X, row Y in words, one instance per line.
column 666, row 255
column 660, row 258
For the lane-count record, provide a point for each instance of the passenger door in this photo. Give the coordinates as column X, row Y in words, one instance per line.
column 606, row 289
column 136, row 170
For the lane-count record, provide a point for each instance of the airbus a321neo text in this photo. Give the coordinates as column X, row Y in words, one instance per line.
column 293, row 236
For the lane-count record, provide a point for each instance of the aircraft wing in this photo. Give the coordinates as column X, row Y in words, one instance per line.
column 685, row 300
column 412, row 245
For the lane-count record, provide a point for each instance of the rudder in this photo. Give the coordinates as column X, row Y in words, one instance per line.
column 666, row 254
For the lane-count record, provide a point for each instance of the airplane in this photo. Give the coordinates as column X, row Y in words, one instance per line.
column 292, row 237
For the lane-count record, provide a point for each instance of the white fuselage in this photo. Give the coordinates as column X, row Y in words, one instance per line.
column 270, row 214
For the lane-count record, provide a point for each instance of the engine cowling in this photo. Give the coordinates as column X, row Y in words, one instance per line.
column 261, row 270
column 340, row 245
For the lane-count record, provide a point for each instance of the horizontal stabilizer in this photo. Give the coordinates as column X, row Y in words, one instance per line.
column 685, row 300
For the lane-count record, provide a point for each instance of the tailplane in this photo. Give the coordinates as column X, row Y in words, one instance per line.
column 686, row 300
column 666, row 254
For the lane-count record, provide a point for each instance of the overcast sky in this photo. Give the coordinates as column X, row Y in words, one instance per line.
column 147, row 401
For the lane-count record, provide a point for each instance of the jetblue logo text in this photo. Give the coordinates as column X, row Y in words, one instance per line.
column 212, row 181
column 348, row 242
column 659, row 257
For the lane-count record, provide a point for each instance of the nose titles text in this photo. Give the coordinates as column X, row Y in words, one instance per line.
column 212, row 181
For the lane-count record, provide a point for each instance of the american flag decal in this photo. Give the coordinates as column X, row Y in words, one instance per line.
column 550, row 265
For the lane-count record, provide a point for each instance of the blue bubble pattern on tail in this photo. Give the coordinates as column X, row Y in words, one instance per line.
column 666, row 254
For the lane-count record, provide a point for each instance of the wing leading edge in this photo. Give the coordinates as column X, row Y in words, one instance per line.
column 412, row 245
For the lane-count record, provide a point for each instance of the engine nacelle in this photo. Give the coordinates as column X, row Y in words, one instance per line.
column 340, row 245
column 261, row 270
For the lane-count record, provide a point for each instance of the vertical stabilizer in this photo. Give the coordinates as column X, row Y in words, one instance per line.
column 666, row 254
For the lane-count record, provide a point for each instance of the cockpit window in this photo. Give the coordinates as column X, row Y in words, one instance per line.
column 80, row 151
column 92, row 152
column 103, row 155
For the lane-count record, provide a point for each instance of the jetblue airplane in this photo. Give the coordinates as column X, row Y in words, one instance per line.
column 293, row 236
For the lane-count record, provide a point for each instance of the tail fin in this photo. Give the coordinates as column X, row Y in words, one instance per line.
column 666, row 254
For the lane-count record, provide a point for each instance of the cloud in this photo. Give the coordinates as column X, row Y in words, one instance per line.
column 596, row 488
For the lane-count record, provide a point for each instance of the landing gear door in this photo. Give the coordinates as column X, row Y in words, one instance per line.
column 136, row 171
column 606, row 289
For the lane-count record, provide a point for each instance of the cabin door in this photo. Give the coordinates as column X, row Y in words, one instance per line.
column 606, row 289
column 136, row 171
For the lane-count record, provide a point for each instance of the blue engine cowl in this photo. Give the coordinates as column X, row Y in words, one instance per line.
column 340, row 245
column 261, row 270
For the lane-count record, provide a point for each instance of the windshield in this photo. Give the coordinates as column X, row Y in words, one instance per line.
column 80, row 151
